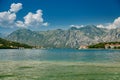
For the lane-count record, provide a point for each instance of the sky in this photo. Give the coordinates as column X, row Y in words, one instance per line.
column 54, row 14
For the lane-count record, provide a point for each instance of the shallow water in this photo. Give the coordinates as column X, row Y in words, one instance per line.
column 71, row 55
column 59, row 64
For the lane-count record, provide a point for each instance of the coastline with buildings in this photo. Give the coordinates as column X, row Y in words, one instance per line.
column 105, row 45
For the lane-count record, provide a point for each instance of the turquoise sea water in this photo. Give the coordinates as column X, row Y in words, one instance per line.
column 71, row 55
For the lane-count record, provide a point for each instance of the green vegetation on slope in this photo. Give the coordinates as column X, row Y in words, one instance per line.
column 5, row 44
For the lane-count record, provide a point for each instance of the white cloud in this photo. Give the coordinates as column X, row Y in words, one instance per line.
column 77, row 26
column 15, row 7
column 100, row 26
column 8, row 18
column 20, row 24
column 34, row 19
column 45, row 24
column 115, row 24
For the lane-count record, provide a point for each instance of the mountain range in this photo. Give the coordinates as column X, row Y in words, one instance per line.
column 71, row 38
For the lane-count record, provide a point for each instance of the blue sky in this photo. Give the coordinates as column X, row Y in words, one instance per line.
column 63, row 13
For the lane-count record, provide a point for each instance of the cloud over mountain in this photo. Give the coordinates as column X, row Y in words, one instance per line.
column 115, row 24
column 77, row 26
column 8, row 19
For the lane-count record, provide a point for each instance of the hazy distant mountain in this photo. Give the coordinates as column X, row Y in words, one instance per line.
column 72, row 38
column 1, row 35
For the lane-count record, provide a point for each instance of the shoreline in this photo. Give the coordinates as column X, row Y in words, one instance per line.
column 65, row 48
column 63, row 62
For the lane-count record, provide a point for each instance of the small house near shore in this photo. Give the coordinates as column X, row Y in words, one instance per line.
column 83, row 47
column 1, row 44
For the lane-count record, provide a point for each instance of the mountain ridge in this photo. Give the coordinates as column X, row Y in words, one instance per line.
column 71, row 38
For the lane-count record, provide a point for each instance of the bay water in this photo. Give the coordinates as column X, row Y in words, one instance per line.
column 69, row 55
